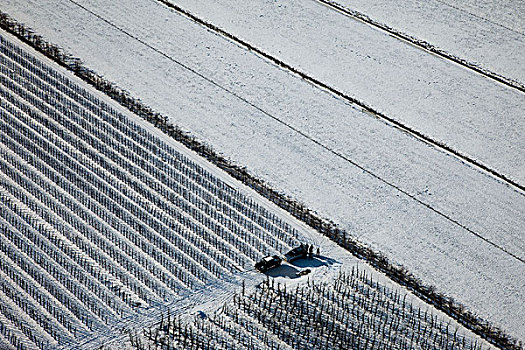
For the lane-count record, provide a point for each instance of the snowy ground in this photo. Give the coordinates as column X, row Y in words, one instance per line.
column 446, row 102
column 452, row 225
column 476, row 34
column 506, row 13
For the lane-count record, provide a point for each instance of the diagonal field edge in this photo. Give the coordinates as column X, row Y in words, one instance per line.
column 424, row 45
column 398, row 274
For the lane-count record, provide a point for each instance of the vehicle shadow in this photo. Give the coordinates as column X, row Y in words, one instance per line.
column 314, row 261
column 327, row 260
column 287, row 271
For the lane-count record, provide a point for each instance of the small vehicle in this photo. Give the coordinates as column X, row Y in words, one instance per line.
column 297, row 253
column 268, row 262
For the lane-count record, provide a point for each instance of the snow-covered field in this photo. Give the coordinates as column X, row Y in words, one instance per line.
column 447, row 102
column 106, row 224
column 476, row 34
column 101, row 220
column 505, row 13
column 452, row 224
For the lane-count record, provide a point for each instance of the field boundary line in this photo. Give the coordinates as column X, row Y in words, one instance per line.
column 423, row 44
column 397, row 273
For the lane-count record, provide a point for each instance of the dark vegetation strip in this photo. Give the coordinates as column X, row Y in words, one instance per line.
column 399, row 274
column 424, row 45
column 347, row 97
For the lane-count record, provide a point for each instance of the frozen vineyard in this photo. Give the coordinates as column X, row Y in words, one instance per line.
column 98, row 218
column 353, row 312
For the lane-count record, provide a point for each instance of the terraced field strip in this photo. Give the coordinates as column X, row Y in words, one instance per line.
column 100, row 220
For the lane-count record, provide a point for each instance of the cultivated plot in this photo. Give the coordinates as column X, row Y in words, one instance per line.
column 351, row 311
column 100, row 219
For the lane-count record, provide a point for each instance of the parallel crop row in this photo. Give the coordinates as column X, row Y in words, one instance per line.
column 352, row 312
column 99, row 217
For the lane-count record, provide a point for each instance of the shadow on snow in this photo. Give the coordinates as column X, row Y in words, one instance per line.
column 287, row 271
column 315, row 261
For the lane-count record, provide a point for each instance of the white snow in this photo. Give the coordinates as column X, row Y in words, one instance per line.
column 305, row 142
column 443, row 101
column 507, row 13
column 456, row 31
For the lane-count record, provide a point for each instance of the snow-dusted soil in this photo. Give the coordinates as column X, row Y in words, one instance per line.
column 424, row 92
column 455, row 28
column 449, row 223
column 506, row 13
